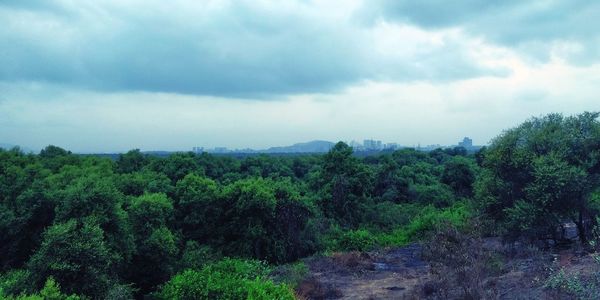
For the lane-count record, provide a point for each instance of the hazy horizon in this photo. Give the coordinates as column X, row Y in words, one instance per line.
column 25, row 148
column 110, row 76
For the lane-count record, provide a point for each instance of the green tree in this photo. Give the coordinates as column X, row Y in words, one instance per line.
column 541, row 174
column 177, row 165
column 132, row 161
column 97, row 197
column 54, row 158
column 24, row 208
column 138, row 183
column 459, row 174
column 198, row 207
column 156, row 245
column 50, row 291
column 248, row 217
column 345, row 185
column 389, row 183
column 293, row 234
column 77, row 256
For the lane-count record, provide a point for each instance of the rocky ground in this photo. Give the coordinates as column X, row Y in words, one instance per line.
column 515, row 272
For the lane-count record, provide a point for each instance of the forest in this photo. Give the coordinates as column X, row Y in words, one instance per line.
column 200, row 226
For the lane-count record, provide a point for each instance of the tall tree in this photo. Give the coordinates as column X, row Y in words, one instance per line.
column 540, row 174
column 345, row 185
column 76, row 255
column 156, row 245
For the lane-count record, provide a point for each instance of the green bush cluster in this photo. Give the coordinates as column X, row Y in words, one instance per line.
column 542, row 174
column 427, row 220
column 227, row 279
column 50, row 291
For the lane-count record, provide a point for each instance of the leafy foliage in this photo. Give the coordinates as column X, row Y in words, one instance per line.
column 227, row 279
column 50, row 291
column 542, row 173
column 144, row 225
column 76, row 255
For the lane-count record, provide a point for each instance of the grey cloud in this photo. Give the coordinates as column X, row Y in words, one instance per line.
column 231, row 50
column 524, row 25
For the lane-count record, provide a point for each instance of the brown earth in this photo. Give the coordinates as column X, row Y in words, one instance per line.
column 400, row 273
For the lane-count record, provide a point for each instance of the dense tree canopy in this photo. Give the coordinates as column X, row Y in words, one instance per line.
column 206, row 226
column 542, row 173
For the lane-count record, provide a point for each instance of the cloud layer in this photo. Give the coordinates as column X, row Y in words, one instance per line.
column 223, row 48
column 536, row 27
column 114, row 75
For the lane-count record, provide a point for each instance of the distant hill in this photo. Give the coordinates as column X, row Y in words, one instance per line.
column 10, row 146
column 6, row 146
column 308, row 147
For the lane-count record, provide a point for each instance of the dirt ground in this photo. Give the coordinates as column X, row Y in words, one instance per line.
column 400, row 273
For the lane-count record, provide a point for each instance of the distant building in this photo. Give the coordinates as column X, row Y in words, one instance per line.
column 466, row 143
column 391, row 146
column 430, row 147
column 356, row 146
column 198, row 149
column 220, row 150
column 372, row 145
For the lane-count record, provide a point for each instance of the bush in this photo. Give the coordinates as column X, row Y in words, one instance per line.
column 227, row 279
column 435, row 194
column 76, row 255
column 196, row 256
column 459, row 264
column 337, row 239
column 51, row 291
column 567, row 283
column 388, row 215
column 357, row 240
column 15, row 282
column 427, row 220
column 575, row 284
column 290, row 274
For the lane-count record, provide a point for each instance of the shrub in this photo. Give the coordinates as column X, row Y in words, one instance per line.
column 438, row 195
column 427, row 220
column 575, row 283
column 196, row 256
column 290, row 274
column 227, row 279
column 15, row 282
column 388, row 215
column 459, row 264
column 569, row 283
column 50, row 291
column 357, row 240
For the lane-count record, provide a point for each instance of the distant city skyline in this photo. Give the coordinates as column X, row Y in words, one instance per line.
column 366, row 145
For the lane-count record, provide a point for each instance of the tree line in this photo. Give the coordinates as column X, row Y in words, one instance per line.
column 203, row 226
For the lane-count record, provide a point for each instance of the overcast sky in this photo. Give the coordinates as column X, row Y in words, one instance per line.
column 103, row 76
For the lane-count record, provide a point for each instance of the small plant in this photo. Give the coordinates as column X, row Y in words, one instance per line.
column 575, row 284
column 567, row 283
column 226, row 279
column 357, row 240
column 14, row 282
column 495, row 263
column 459, row 263
column 428, row 220
column 50, row 291
column 290, row 274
